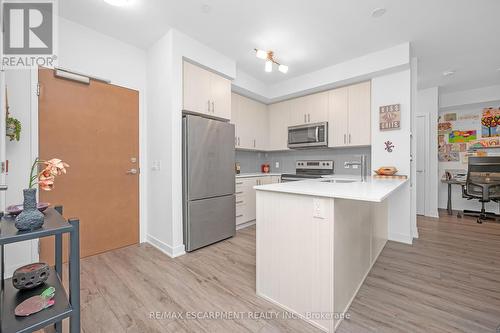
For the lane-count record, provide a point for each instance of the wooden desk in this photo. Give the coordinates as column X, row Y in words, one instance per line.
column 451, row 182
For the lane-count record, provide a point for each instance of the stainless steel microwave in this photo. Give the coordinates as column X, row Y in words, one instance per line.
column 308, row 136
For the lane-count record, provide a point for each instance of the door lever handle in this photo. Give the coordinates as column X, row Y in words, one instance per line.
column 132, row 172
column 3, row 187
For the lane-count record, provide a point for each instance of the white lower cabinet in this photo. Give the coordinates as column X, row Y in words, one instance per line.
column 245, row 196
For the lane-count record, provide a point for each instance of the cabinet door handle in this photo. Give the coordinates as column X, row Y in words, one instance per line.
column 238, row 141
column 238, row 202
column 308, row 117
column 349, row 137
column 305, row 118
column 239, row 183
column 208, row 106
column 254, row 143
column 239, row 192
column 240, row 215
column 235, row 141
column 213, row 107
column 344, row 138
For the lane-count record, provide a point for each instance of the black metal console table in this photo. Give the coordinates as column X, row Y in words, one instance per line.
column 64, row 307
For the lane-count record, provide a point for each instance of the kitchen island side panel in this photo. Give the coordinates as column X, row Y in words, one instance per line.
column 295, row 254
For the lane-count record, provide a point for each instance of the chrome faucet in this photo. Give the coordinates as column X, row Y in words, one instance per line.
column 362, row 164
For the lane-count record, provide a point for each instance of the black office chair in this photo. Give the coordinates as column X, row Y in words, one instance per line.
column 483, row 183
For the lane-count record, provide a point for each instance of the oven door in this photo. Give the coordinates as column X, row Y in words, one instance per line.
column 310, row 135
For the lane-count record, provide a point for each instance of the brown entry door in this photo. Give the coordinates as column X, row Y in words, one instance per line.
column 95, row 129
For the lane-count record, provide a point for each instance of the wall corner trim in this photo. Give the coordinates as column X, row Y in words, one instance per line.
column 170, row 251
column 401, row 238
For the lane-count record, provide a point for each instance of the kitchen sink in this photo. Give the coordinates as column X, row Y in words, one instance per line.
column 340, row 181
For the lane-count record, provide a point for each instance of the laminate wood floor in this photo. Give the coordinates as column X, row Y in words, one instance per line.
column 448, row 281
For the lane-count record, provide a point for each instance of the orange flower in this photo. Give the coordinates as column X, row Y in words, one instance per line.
column 56, row 167
column 46, row 183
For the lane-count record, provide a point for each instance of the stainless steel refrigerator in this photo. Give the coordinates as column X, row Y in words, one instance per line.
column 208, row 181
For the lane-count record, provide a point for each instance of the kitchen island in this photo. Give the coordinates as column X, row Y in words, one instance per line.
column 317, row 240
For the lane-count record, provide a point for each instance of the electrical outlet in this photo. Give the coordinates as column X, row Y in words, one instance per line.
column 319, row 208
column 277, row 165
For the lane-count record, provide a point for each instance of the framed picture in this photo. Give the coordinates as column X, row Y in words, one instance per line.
column 390, row 117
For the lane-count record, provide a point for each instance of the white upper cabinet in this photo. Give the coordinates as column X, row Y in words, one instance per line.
column 251, row 121
column 350, row 116
column 309, row 109
column 196, row 89
column 279, row 120
column 338, row 122
column 235, row 101
column 360, row 114
column 206, row 92
column 220, row 88
column 317, row 107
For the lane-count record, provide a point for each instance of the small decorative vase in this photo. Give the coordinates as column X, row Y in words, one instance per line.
column 30, row 218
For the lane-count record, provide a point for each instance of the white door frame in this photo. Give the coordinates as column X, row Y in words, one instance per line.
column 427, row 160
column 34, row 141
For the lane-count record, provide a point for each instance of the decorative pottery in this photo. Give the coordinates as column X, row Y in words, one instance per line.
column 17, row 209
column 30, row 276
column 30, row 218
column 386, row 171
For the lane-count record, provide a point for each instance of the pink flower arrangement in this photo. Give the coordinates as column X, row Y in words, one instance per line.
column 45, row 179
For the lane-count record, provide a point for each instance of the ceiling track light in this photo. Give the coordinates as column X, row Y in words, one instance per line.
column 269, row 57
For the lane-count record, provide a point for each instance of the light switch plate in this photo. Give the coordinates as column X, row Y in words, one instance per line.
column 156, row 166
column 319, row 208
column 277, row 165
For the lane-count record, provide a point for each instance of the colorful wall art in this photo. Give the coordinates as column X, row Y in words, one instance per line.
column 462, row 136
column 444, row 128
column 490, row 122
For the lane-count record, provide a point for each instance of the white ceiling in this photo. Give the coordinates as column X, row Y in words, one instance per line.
column 460, row 35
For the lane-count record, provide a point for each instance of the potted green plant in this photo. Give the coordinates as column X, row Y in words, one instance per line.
column 13, row 128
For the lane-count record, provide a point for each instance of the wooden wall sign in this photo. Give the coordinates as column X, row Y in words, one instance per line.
column 390, row 117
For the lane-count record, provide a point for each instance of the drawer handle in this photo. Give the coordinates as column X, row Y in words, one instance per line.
column 239, row 183
column 239, row 192
column 241, row 215
column 238, row 202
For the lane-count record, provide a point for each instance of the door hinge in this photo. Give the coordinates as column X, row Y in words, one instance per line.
column 38, row 89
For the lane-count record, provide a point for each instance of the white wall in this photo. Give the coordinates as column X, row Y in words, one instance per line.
column 394, row 89
column 19, row 154
column 165, row 60
column 467, row 98
column 85, row 50
column 427, row 103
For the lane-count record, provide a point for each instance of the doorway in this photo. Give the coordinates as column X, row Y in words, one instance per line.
column 93, row 127
column 422, row 160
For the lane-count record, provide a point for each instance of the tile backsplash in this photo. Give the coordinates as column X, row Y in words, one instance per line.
column 250, row 161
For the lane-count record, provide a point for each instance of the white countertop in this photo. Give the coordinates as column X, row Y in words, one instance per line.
column 256, row 174
column 374, row 189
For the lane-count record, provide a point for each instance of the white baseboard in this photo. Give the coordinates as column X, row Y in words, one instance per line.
column 170, row 251
column 245, row 225
column 292, row 311
column 401, row 238
column 434, row 214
